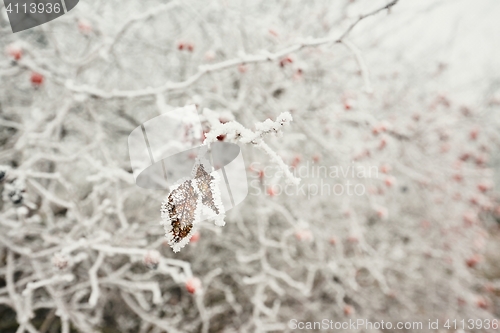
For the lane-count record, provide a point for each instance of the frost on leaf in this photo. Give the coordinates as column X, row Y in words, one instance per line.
column 207, row 185
column 204, row 181
column 179, row 214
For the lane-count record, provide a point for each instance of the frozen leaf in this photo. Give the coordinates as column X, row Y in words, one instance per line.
column 208, row 186
column 179, row 213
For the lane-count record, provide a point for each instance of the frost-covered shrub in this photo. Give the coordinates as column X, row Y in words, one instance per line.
column 375, row 201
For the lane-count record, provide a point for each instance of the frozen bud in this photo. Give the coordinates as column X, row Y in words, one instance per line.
column 193, row 285
column 60, row 261
column 152, row 259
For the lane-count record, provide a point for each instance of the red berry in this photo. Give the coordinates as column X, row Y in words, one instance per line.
column 348, row 310
column 285, row 61
column 210, row 55
column 483, row 187
column 383, row 144
column 193, row 285
column 490, row 287
column 242, row 68
column 385, row 168
column 425, row 224
column 390, row 181
column 271, row 191
column 84, row 26
column 36, row 79
column 273, row 32
column 470, row 219
column 473, row 261
column 481, row 160
column 482, row 303
column 445, row 147
column 497, row 211
column 195, row 237
column 382, row 213
column 14, row 51
column 353, row 239
column 304, row 235
column 474, row 134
